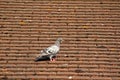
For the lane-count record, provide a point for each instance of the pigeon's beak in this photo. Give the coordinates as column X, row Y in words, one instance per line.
column 62, row 40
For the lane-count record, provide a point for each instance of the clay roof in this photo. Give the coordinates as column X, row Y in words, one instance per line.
column 90, row 28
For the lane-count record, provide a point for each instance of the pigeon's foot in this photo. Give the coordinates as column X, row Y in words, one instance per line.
column 53, row 59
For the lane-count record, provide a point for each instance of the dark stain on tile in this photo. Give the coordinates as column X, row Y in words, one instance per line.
column 78, row 70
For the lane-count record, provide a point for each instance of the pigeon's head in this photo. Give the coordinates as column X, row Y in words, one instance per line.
column 60, row 40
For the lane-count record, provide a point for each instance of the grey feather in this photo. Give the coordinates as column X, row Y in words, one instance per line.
column 51, row 51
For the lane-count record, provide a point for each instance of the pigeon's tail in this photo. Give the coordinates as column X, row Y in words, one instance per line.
column 42, row 58
column 37, row 59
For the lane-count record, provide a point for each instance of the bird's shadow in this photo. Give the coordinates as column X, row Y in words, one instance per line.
column 44, row 58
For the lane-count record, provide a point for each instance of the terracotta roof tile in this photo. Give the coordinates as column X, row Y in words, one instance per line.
column 90, row 30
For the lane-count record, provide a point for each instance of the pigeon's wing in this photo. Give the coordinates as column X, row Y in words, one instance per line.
column 52, row 50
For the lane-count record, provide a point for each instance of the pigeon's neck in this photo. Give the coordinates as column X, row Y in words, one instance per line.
column 57, row 43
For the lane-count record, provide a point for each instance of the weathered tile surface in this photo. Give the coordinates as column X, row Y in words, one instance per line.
column 90, row 28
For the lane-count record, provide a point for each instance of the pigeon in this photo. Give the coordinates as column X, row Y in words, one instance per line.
column 50, row 52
